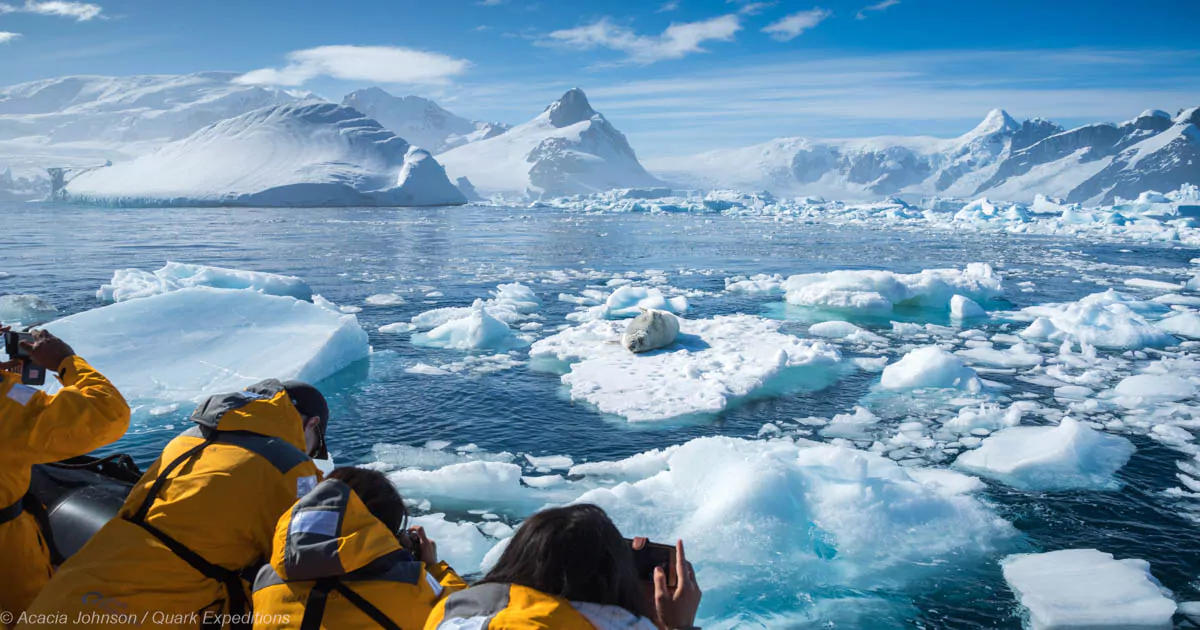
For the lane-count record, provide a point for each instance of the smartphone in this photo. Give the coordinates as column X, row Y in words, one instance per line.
column 31, row 373
column 654, row 555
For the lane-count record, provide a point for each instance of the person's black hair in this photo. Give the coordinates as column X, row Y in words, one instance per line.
column 378, row 494
column 574, row 552
column 309, row 401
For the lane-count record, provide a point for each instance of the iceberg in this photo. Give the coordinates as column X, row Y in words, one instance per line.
column 1088, row 589
column 1064, row 457
column 1108, row 320
column 130, row 284
column 879, row 292
column 713, row 363
column 302, row 154
column 197, row 341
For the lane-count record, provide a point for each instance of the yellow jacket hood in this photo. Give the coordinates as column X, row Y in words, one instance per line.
column 263, row 408
column 328, row 533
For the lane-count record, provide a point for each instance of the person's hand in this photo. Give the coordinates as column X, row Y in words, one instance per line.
column 428, row 551
column 47, row 351
column 677, row 607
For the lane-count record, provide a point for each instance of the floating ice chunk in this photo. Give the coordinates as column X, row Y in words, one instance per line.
column 717, row 361
column 1183, row 325
column 553, row 462
column 1104, row 323
column 929, row 366
column 461, row 545
column 130, row 284
column 1041, row 328
column 212, row 341
column 1088, row 589
column 629, row 301
column 965, row 308
column 850, row 425
column 1073, row 392
column 25, row 309
column 1064, row 457
column 478, row 330
column 989, row 416
column 1020, row 355
column 758, row 284
column 397, row 328
column 818, row 510
column 878, row 292
column 384, row 299
column 1156, row 388
column 427, row 370
column 510, row 303
column 1155, row 285
column 1175, row 299
column 844, row 331
column 639, row 466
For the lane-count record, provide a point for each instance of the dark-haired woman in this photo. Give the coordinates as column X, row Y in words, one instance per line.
column 343, row 560
column 569, row 569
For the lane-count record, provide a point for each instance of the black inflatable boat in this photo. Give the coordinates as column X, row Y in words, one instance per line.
column 81, row 495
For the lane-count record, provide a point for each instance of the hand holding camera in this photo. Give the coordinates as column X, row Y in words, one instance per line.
column 33, row 354
column 421, row 546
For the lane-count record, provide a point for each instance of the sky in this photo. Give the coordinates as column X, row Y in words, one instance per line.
column 677, row 76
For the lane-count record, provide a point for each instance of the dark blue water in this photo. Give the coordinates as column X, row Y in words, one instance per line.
column 63, row 254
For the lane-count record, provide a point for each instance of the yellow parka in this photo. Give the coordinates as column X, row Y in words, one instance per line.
column 336, row 566
column 516, row 607
column 37, row 428
column 202, row 517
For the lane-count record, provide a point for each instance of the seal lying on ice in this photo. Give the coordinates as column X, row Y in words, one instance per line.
column 651, row 330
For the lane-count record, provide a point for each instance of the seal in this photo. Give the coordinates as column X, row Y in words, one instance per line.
column 651, row 330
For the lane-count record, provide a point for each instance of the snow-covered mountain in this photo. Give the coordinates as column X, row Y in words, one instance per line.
column 421, row 121
column 569, row 149
column 1000, row 158
column 301, row 154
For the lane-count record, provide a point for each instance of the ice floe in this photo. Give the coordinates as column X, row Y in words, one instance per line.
column 130, row 284
column 929, row 366
column 1087, row 589
column 879, row 292
column 478, row 330
column 206, row 341
column 713, row 363
column 1064, row 457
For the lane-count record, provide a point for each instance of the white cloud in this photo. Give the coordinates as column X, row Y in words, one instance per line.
column 6, row 36
column 79, row 11
column 793, row 25
column 491, row 3
column 880, row 6
column 676, row 42
column 754, row 8
column 669, row 5
column 379, row 64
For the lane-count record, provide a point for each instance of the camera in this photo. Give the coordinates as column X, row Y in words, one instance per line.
column 31, row 373
column 414, row 544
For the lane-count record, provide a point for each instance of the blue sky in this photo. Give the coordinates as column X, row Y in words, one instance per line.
column 676, row 76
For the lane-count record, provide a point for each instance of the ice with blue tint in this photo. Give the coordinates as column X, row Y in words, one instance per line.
column 879, row 292
column 193, row 342
column 23, row 308
column 1064, row 457
column 130, row 284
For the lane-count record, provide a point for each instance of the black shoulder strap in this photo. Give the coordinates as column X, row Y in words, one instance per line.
column 35, row 508
column 314, row 607
column 367, row 607
column 152, row 494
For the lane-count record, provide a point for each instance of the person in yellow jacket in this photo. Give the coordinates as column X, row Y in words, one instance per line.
column 569, row 568
column 343, row 560
column 38, row 428
column 201, row 518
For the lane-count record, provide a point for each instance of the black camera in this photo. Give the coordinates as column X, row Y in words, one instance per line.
column 31, row 373
column 414, row 544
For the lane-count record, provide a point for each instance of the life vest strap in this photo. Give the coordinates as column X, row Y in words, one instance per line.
column 314, row 607
column 10, row 513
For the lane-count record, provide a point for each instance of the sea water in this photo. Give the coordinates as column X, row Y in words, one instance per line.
column 440, row 257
